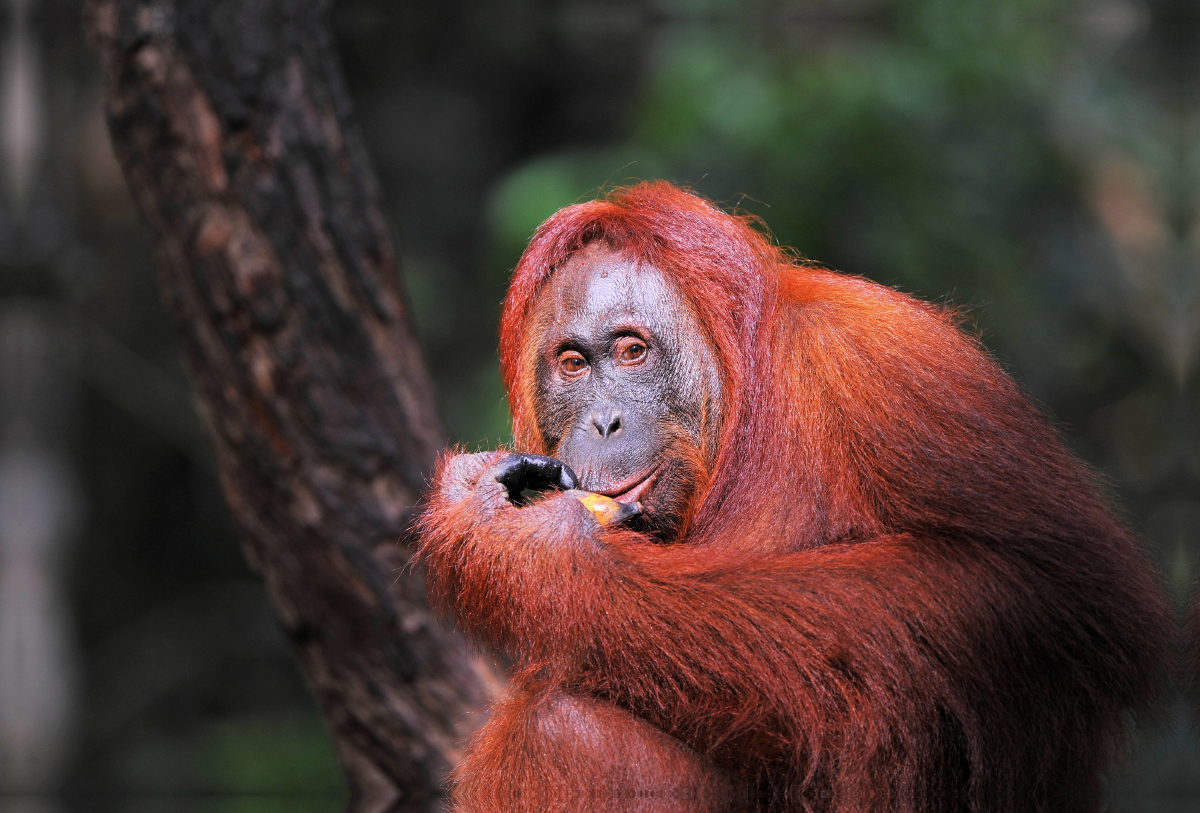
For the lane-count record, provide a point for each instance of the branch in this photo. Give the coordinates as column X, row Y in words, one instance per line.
column 232, row 124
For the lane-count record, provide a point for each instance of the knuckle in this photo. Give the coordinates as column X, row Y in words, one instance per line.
column 463, row 474
column 463, row 468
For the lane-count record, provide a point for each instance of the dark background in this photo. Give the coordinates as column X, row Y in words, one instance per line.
column 1036, row 163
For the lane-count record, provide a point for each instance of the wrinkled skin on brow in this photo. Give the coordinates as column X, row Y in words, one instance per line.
column 627, row 384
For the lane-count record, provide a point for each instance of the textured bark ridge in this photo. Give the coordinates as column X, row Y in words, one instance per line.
column 232, row 124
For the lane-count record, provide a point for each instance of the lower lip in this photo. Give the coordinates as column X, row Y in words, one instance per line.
column 636, row 493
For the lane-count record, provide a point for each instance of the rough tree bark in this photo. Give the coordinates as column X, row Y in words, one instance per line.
column 232, row 124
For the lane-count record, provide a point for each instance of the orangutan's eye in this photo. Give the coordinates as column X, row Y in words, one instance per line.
column 571, row 363
column 630, row 350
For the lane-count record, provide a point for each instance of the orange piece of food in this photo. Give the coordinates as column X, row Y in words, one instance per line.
column 607, row 510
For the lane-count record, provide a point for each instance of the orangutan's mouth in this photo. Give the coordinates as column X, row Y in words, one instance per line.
column 633, row 488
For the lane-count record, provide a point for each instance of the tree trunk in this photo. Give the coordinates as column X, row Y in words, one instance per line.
column 232, row 124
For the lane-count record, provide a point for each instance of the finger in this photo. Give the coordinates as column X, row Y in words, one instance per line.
column 551, row 472
column 518, row 472
column 566, row 478
column 510, row 473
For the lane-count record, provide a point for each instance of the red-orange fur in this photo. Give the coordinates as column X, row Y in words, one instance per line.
column 898, row 591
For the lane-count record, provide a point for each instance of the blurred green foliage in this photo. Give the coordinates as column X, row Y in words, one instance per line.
column 251, row 762
column 256, row 756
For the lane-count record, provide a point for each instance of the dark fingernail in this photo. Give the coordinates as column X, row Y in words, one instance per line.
column 566, row 478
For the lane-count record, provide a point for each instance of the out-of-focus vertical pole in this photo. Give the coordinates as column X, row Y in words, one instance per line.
column 39, row 512
column 20, row 122
column 39, row 496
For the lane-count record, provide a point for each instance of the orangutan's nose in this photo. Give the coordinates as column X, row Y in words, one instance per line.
column 606, row 421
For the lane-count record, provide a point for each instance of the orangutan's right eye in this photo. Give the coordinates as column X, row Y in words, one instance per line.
column 571, row 363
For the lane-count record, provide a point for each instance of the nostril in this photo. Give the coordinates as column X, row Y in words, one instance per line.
column 607, row 425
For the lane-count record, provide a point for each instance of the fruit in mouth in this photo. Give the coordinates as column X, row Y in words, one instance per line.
column 607, row 510
column 619, row 504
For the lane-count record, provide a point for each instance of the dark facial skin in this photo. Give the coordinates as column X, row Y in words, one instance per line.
column 628, row 391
